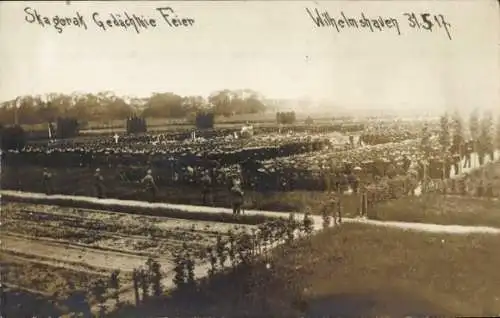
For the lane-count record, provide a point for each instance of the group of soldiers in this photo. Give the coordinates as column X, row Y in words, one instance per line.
column 163, row 156
column 151, row 188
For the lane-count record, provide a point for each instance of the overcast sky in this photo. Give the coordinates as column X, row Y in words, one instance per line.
column 271, row 47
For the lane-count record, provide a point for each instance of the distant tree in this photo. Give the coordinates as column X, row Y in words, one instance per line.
column 486, row 133
column 165, row 105
column 222, row 101
column 444, row 132
column 117, row 108
column 457, row 132
column 425, row 144
column 106, row 106
column 498, row 133
column 474, row 126
column 227, row 103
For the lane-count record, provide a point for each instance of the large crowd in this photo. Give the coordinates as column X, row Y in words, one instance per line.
column 284, row 161
column 163, row 153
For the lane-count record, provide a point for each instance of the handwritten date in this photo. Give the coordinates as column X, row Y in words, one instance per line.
column 428, row 22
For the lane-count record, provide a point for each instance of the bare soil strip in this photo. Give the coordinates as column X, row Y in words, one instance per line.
column 427, row 227
column 71, row 254
column 436, row 228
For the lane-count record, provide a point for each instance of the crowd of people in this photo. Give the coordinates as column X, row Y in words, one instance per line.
column 264, row 163
column 385, row 132
column 166, row 154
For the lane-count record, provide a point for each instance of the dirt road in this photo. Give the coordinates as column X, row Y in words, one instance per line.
column 58, row 254
column 436, row 228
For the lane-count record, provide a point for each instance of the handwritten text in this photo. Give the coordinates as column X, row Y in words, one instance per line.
column 110, row 21
column 416, row 21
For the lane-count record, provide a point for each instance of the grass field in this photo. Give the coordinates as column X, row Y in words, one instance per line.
column 439, row 209
column 263, row 119
column 352, row 270
column 450, row 209
column 355, row 270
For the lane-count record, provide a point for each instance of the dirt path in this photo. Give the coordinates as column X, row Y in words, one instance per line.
column 61, row 253
column 436, row 228
column 427, row 227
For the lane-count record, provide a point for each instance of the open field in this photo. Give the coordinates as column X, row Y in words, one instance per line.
column 339, row 271
column 166, row 124
column 436, row 208
column 145, row 235
column 45, row 247
column 355, row 270
column 457, row 209
column 34, row 289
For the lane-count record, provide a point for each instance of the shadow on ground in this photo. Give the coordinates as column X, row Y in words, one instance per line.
column 261, row 293
column 20, row 303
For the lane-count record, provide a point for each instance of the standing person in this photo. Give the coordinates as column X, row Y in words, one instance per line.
column 480, row 190
column 456, row 163
column 468, row 152
column 462, row 184
column 338, row 216
column 47, row 182
column 363, row 211
column 354, row 179
column 207, row 189
column 150, row 184
column 351, row 141
column 99, row 183
column 329, row 210
column 448, row 162
column 237, row 198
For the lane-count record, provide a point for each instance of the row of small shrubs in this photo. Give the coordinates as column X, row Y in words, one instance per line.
column 172, row 212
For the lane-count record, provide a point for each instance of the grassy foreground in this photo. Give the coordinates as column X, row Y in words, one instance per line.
column 354, row 270
column 440, row 209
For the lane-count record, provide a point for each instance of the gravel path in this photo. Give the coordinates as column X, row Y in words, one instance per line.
column 435, row 228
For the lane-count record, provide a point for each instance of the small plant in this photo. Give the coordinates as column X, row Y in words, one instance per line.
column 220, row 249
column 190, row 277
column 155, row 277
column 256, row 241
column 144, row 283
column 327, row 219
column 213, row 262
column 308, row 223
column 232, row 249
column 135, row 280
column 290, row 228
column 114, row 283
column 179, row 277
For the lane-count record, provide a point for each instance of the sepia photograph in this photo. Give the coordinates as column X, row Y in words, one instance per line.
column 250, row 158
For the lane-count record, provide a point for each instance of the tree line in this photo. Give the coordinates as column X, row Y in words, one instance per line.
column 481, row 131
column 107, row 106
